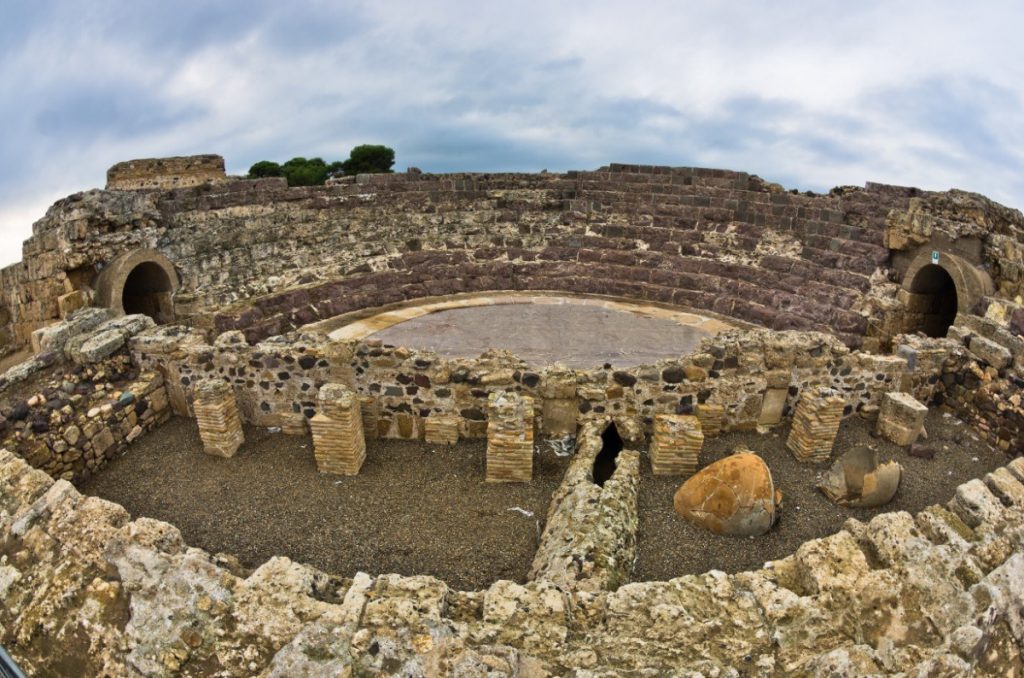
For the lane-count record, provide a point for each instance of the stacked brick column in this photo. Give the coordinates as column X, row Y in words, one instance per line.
column 220, row 427
column 676, row 445
column 441, row 430
column 712, row 419
column 338, row 442
column 815, row 424
column 509, row 438
column 901, row 418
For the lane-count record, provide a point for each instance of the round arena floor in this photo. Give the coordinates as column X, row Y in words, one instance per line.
column 579, row 332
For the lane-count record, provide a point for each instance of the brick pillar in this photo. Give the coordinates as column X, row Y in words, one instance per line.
column 441, row 429
column 509, row 438
column 676, row 445
column 220, row 427
column 338, row 442
column 369, row 407
column 712, row 419
column 815, row 424
column 901, row 418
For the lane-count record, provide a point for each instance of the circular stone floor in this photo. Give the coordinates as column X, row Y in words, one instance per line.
column 540, row 329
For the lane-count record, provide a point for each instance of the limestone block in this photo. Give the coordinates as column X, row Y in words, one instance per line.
column 71, row 302
column 712, row 419
column 772, row 406
column 220, row 427
column 901, row 418
column 441, row 430
column 509, row 438
column 676, row 444
column 815, row 424
column 338, row 442
column 995, row 355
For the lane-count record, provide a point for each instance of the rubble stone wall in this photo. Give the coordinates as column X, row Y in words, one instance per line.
column 84, row 590
column 276, row 381
column 165, row 173
column 73, row 426
column 259, row 256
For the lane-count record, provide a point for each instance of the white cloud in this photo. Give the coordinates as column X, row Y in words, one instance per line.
column 921, row 93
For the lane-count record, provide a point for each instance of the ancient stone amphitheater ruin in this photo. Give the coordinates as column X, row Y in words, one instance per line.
column 229, row 303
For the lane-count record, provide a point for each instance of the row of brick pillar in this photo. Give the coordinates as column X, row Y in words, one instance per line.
column 339, row 440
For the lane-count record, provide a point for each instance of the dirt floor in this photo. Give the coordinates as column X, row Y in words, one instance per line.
column 423, row 509
column 414, row 508
column 670, row 547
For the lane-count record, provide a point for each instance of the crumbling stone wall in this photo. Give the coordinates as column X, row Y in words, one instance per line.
column 708, row 239
column 939, row 593
column 165, row 173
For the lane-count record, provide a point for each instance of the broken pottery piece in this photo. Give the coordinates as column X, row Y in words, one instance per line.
column 857, row 479
column 734, row 496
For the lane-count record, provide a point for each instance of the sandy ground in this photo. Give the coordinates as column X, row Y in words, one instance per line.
column 423, row 509
column 669, row 546
column 414, row 508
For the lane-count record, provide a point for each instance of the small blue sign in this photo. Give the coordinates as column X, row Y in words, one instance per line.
column 935, row 256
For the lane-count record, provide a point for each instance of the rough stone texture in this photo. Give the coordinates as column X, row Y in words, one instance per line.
column 720, row 241
column 441, row 430
column 857, row 479
column 338, row 442
column 220, row 427
column 992, row 353
column 901, row 418
column 676, row 444
column 733, row 496
column 815, row 425
column 510, row 430
column 589, row 540
column 165, row 173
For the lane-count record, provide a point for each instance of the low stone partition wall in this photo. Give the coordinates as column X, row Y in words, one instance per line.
column 74, row 425
column 746, row 378
column 589, row 539
column 87, row 591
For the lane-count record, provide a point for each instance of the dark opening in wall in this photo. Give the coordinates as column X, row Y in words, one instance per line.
column 604, row 463
column 933, row 301
column 148, row 290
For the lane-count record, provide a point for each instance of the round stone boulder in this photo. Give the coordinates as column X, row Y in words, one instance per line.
column 734, row 496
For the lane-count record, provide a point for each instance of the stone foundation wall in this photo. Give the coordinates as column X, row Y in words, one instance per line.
column 82, row 418
column 745, row 372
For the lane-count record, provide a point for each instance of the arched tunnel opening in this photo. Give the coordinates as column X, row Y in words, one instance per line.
column 934, row 301
column 147, row 289
column 605, row 461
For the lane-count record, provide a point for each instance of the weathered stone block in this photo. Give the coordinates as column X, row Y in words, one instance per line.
column 441, row 430
column 676, row 444
column 992, row 353
column 509, row 438
column 901, row 418
column 815, row 424
column 220, row 427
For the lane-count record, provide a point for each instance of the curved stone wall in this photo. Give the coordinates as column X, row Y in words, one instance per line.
column 261, row 257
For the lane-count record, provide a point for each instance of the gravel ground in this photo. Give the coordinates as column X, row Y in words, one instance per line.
column 669, row 546
column 422, row 509
column 414, row 508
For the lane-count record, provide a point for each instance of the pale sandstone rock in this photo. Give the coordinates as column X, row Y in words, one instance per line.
column 733, row 496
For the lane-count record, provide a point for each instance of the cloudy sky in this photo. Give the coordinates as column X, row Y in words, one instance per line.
column 809, row 94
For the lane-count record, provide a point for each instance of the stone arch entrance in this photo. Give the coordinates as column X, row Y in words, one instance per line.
column 143, row 281
column 936, row 286
column 936, row 300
